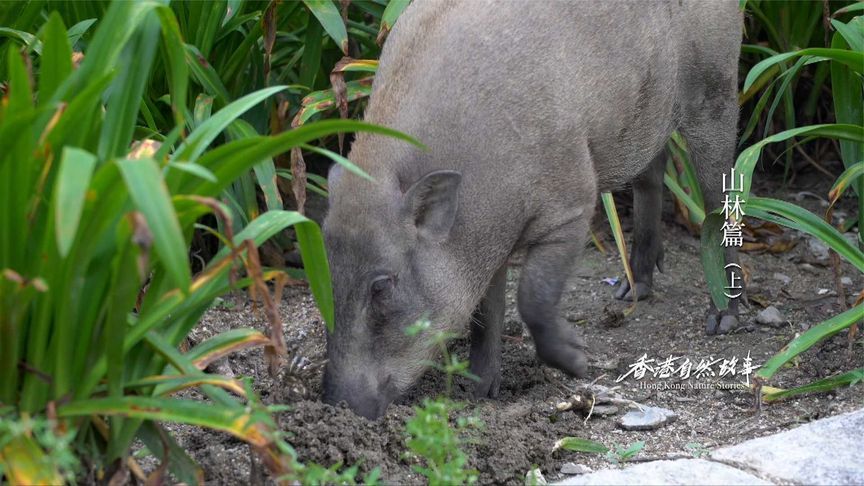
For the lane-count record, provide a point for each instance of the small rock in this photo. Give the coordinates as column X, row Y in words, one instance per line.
column 808, row 268
column 783, row 278
column 650, row 418
column 822, row 291
column 604, row 410
column 846, row 281
column 571, row 468
column 770, row 316
column 817, row 248
column 534, row 477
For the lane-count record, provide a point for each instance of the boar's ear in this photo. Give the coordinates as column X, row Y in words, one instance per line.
column 431, row 203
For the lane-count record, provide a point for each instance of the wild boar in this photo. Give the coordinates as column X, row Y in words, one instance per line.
column 528, row 109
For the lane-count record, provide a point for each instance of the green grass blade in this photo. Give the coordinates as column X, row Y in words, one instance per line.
column 847, row 178
column 685, row 198
column 826, row 384
column 713, row 258
column 127, row 89
column 792, row 216
column 236, row 421
column 317, row 269
column 175, row 62
column 855, row 61
column 200, row 139
column 851, row 32
column 808, row 339
column 73, row 179
column 56, row 62
column 183, row 467
column 746, row 162
column 328, row 14
column 231, row 160
column 618, row 233
column 150, row 195
column 224, row 344
column 343, row 161
column 392, row 12
column 311, row 61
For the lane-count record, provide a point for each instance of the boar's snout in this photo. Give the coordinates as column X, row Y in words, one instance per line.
column 366, row 396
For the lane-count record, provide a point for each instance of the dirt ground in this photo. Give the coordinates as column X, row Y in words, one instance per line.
column 521, row 426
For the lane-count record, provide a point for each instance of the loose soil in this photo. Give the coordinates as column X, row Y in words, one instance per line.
column 521, row 426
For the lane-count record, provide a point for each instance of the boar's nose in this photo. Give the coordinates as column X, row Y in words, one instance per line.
column 364, row 397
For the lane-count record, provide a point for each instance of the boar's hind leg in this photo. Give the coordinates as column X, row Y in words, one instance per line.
column 710, row 130
column 544, row 275
column 647, row 244
column 486, row 326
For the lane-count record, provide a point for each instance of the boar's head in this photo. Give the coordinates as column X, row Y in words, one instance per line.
column 392, row 264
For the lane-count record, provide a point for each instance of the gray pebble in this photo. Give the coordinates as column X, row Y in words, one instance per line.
column 650, row 418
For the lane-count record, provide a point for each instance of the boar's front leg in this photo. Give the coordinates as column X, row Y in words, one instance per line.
column 544, row 275
column 647, row 244
column 486, row 327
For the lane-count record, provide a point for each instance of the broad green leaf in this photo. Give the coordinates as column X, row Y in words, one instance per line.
column 150, row 196
column 317, row 269
column 851, row 32
column 392, row 12
column 328, row 14
column 73, row 179
column 56, row 62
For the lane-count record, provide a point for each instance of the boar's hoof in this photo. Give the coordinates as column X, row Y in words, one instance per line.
column 565, row 352
column 487, row 387
column 643, row 291
column 720, row 324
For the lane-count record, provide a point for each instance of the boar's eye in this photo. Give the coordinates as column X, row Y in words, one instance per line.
column 382, row 285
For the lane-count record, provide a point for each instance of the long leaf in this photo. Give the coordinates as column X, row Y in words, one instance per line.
column 792, row 216
column 855, row 61
column 73, row 178
column 808, row 339
column 328, row 14
column 236, row 421
column 150, row 195
column 199, row 139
